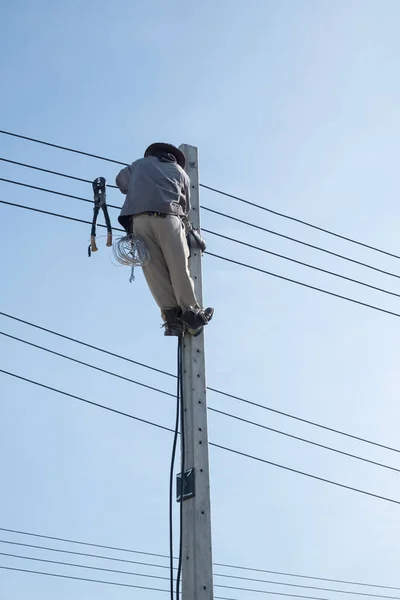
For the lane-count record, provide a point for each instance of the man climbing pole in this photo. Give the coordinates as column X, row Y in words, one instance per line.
column 157, row 201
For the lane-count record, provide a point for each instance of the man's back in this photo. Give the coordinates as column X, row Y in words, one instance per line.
column 151, row 184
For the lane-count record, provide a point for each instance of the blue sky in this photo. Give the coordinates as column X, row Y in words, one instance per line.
column 293, row 105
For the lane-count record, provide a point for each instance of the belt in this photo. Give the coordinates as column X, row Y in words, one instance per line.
column 151, row 213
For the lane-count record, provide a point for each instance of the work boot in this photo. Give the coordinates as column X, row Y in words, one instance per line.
column 173, row 326
column 196, row 318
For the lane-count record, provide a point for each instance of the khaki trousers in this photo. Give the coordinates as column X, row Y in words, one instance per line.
column 167, row 272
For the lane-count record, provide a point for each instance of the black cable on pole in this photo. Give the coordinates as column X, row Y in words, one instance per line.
column 183, row 450
column 306, row 285
column 217, row 191
column 211, row 389
column 237, row 452
column 249, row 224
column 211, row 409
column 171, row 483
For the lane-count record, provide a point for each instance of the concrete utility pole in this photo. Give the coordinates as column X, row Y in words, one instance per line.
column 197, row 569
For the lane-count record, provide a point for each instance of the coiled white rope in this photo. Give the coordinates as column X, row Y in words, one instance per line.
column 130, row 251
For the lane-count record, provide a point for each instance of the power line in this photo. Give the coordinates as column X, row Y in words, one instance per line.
column 242, row 578
column 296, row 220
column 300, row 439
column 87, row 555
column 52, row 214
column 252, row 267
column 119, row 584
column 128, row 585
column 211, row 409
column 80, row 543
column 90, row 402
column 42, row 189
column 306, row 285
column 30, row 139
column 302, row 263
column 79, row 566
column 237, row 452
column 269, row 462
column 212, row 389
column 50, row 171
column 153, row 554
column 249, row 224
column 297, row 241
column 160, row 577
column 85, row 364
column 302, row 420
column 71, row 339
column 217, row 191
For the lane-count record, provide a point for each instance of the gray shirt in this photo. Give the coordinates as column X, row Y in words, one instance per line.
column 155, row 185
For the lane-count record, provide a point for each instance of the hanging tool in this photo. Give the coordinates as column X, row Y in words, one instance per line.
column 195, row 233
column 99, row 191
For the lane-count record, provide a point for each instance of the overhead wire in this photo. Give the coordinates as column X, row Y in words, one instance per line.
column 301, row 283
column 85, row 364
column 300, row 262
column 249, row 224
column 301, row 242
column 212, row 389
column 252, row 267
column 88, row 554
column 128, row 585
column 50, row 171
column 89, row 402
column 90, row 155
column 302, row 222
column 71, row 577
column 223, row 575
column 216, row 574
column 217, row 191
column 166, row 556
column 210, row 408
column 221, row 447
column 217, row 585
